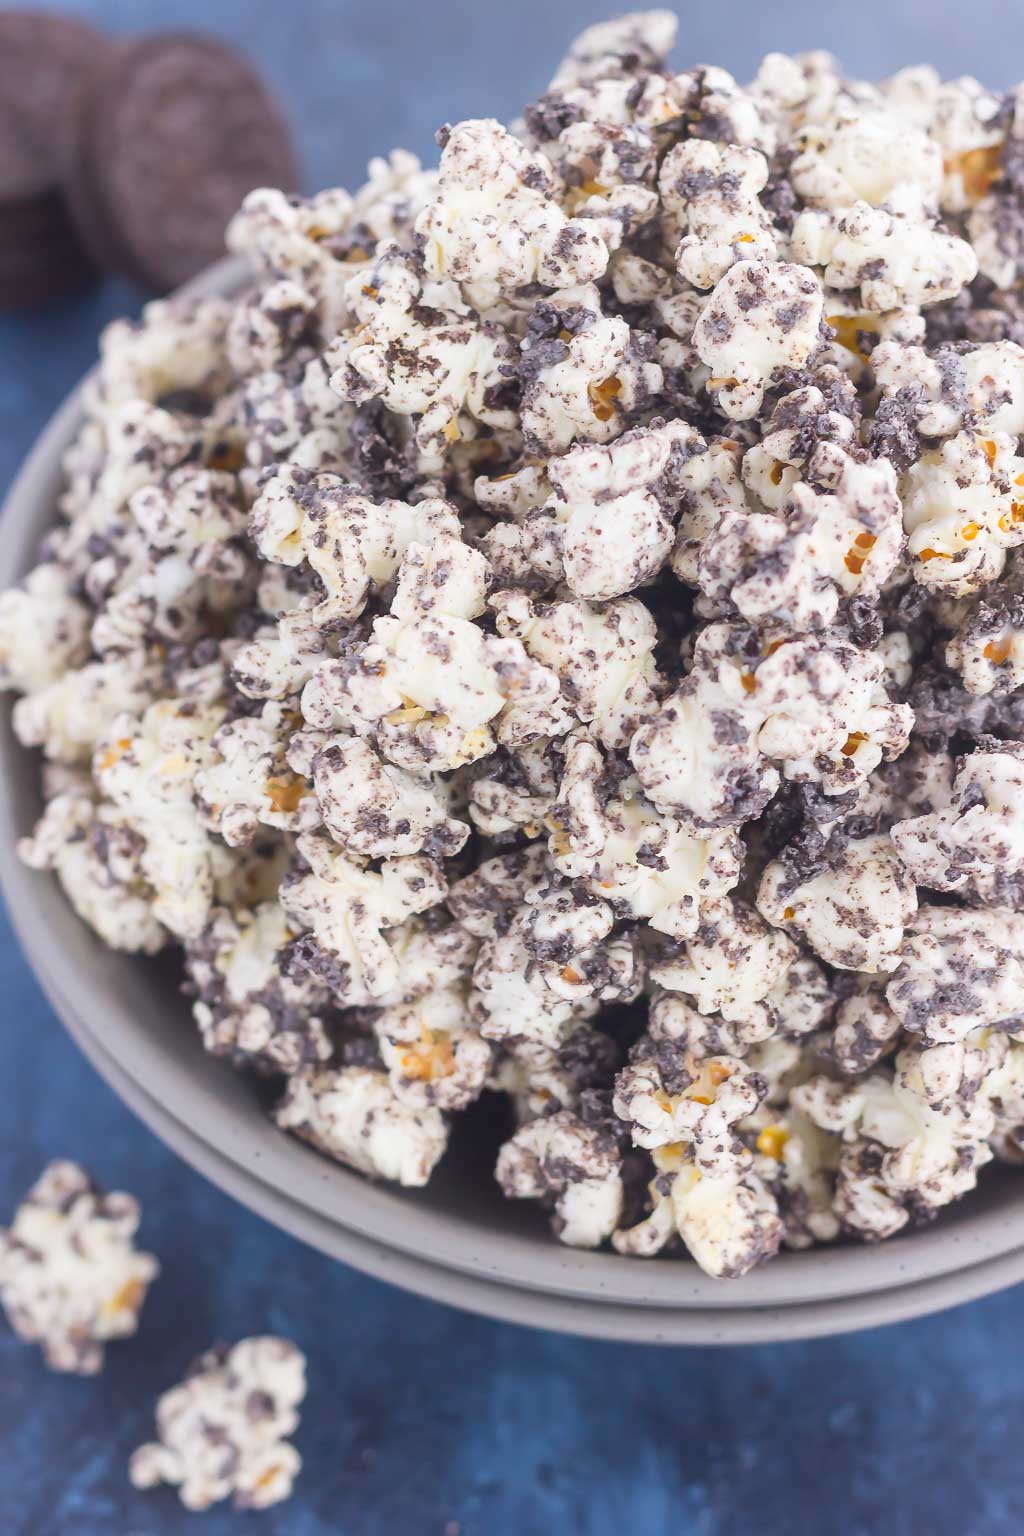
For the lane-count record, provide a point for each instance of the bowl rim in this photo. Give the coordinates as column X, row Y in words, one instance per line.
column 704, row 1328
column 377, row 1214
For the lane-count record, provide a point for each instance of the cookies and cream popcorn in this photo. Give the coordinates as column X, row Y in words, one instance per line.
column 893, row 259
column 961, row 512
column 763, row 316
column 147, row 767
column 615, row 845
column 841, row 541
column 432, row 1052
column 344, row 910
column 247, row 782
column 584, row 373
column 71, row 1278
column 710, row 192
column 978, row 839
column 667, row 1096
column 729, row 1223
column 959, row 969
column 223, row 1430
column 901, row 1157
column 495, row 227
column 863, row 154
column 979, row 386
column 555, row 633
column 987, row 646
column 573, row 1167
column 246, row 1008
column 44, row 631
column 352, row 544
column 353, row 1114
column 603, row 655
column 852, row 912
column 429, row 682
column 608, row 525
column 420, row 350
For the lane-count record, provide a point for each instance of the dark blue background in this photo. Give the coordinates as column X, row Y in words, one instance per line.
column 421, row 1421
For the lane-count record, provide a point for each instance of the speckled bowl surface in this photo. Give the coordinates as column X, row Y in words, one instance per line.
column 458, row 1240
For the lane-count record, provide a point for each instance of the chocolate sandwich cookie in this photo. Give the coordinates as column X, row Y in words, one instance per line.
column 170, row 134
column 42, row 59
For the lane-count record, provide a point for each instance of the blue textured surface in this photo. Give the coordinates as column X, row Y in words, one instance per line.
column 421, row 1421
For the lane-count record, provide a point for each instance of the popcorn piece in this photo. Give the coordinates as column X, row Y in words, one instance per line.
column 430, row 682
column 644, row 865
column 223, row 1429
column 347, row 909
column 247, row 781
column 853, row 913
column 762, row 317
column 353, row 1115
column 894, row 260
column 97, row 857
column 297, row 240
column 418, row 351
column 796, row 1162
column 979, row 386
column 902, row 1156
column 147, row 767
column 375, row 809
column 70, row 1276
column 494, row 225
column 979, row 838
column 432, row 1052
column 611, row 509
column 988, row 647
column 794, row 569
column 732, row 966
column 355, row 546
column 866, row 1029
column 584, row 372
column 815, row 704
column 43, row 631
column 246, row 1008
column 641, row 40
column 866, row 155
column 667, row 1096
column 281, row 659
column 67, row 717
column 959, row 970
column 555, row 961
column 730, row 1224
column 709, row 193
column 602, row 655
column 573, row 1166
column 176, row 350
column 698, row 757
column 961, row 513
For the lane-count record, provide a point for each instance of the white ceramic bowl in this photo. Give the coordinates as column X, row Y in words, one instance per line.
column 458, row 1240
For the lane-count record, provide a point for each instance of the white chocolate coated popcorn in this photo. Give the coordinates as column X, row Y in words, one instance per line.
column 354, row 1115
column 557, row 632
column 223, row 1429
column 71, row 1278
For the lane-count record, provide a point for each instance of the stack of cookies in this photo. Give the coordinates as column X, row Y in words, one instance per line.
column 123, row 157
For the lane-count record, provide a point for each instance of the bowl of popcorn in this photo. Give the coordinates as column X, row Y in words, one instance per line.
column 516, row 768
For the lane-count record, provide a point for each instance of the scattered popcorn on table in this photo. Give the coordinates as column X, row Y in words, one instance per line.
column 71, row 1278
column 223, row 1429
column 557, row 632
